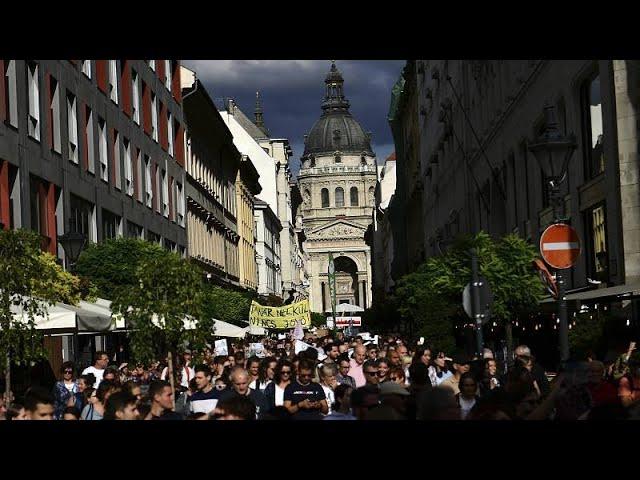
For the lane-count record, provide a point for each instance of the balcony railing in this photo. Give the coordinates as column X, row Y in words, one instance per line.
column 338, row 169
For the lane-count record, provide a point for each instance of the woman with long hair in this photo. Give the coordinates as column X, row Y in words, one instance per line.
column 64, row 389
column 94, row 410
column 266, row 372
column 439, row 370
column 281, row 378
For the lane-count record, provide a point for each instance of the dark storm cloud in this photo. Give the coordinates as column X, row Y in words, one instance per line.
column 293, row 90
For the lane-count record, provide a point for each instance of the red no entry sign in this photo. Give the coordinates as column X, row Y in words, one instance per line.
column 560, row 246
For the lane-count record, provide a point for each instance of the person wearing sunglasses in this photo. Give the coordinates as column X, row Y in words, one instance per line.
column 304, row 399
column 64, row 389
column 343, row 377
column 367, row 396
column 396, row 374
column 281, row 379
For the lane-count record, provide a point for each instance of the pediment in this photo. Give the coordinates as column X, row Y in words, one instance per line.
column 338, row 229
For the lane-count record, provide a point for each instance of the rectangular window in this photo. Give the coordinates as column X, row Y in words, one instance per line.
column 113, row 80
column 117, row 160
column 82, row 217
column 154, row 117
column 89, row 141
column 86, row 67
column 136, row 105
column 128, row 168
column 148, row 188
column 165, row 194
column 180, row 203
column 146, row 108
column 157, row 188
column 138, row 174
column 134, row 230
column 11, row 92
column 153, row 237
column 72, row 127
column 54, row 115
column 167, row 72
column 170, row 133
column 102, row 149
column 34, row 100
column 598, row 263
column 593, row 130
column 111, row 225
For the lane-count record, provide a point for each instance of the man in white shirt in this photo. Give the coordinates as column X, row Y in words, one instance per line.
column 101, row 360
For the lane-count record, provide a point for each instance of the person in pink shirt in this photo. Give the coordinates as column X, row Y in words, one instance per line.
column 359, row 356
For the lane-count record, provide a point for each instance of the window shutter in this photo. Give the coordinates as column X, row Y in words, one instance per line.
column 163, row 127
column 125, row 84
column 146, row 107
column 47, row 81
column 179, row 146
column 160, row 70
column 85, row 137
column 176, row 89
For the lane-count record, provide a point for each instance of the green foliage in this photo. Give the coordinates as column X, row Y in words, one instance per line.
column 318, row 319
column 169, row 288
column 227, row 305
column 432, row 295
column 30, row 281
column 112, row 264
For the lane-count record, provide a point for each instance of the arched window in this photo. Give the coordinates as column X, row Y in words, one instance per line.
column 354, row 196
column 372, row 194
column 325, row 197
column 339, row 197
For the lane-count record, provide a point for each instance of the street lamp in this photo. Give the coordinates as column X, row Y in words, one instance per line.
column 72, row 244
column 553, row 151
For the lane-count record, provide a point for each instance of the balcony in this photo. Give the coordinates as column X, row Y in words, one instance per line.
column 337, row 169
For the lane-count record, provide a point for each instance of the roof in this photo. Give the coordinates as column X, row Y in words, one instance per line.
column 244, row 121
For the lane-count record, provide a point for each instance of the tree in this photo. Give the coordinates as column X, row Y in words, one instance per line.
column 227, row 305
column 30, row 281
column 169, row 289
column 112, row 264
column 431, row 297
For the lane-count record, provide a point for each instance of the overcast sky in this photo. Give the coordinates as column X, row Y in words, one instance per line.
column 293, row 90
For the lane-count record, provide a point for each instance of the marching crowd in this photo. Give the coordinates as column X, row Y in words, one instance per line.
column 338, row 378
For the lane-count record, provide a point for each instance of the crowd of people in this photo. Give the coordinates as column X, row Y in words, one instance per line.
column 338, row 378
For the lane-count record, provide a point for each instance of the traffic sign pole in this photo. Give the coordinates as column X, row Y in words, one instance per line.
column 475, row 295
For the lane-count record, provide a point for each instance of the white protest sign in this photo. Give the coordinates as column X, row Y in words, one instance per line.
column 256, row 349
column 375, row 339
column 221, row 347
column 282, row 336
column 301, row 346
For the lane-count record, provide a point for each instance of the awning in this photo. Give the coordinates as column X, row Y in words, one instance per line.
column 621, row 291
column 616, row 291
column 224, row 329
column 59, row 317
column 346, row 307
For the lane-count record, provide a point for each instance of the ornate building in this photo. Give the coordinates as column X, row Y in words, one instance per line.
column 337, row 181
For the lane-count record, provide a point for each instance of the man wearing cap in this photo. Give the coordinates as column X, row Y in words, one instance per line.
column 461, row 365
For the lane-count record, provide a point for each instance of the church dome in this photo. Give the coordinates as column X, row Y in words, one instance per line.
column 336, row 129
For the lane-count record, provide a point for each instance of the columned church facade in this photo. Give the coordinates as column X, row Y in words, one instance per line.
column 337, row 182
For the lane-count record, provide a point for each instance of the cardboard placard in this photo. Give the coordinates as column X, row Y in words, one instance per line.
column 221, row 347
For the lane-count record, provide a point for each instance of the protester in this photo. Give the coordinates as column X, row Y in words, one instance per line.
column 206, row 397
column 266, row 372
column 253, row 368
column 489, row 379
column 393, row 403
column 304, row 399
column 629, row 385
column 601, row 390
column 112, row 375
column 383, row 370
column 235, row 408
column 467, row 397
column 274, row 393
column 394, row 358
column 439, row 370
column 344, row 367
column 161, row 396
column 460, row 366
column 101, row 360
column 367, row 396
column 328, row 383
column 396, row 374
column 65, row 389
column 240, row 388
column 71, row 413
column 523, row 353
column 38, row 404
column 342, row 406
column 16, row 412
column 121, row 406
column 420, row 383
column 356, row 370
column 94, row 410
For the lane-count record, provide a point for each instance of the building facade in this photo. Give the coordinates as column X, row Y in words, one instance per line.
column 268, row 230
column 93, row 146
column 213, row 165
column 267, row 236
column 247, row 187
column 476, row 120
column 337, row 181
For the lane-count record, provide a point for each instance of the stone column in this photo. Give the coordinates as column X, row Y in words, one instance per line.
column 361, row 293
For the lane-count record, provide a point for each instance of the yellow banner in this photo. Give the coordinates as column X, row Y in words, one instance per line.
column 280, row 317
